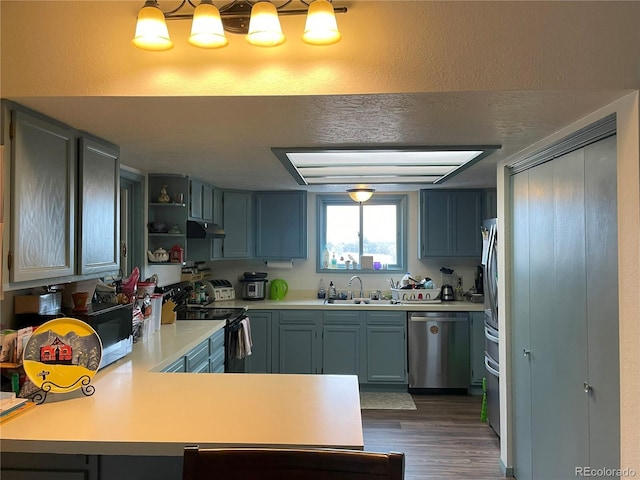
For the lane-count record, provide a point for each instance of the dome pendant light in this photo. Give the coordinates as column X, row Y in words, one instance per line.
column 264, row 26
column 321, row 27
column 360, row 195
column 151, row 29
column 206, row 29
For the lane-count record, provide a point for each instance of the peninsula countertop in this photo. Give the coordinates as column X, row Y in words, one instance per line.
column 137, row 410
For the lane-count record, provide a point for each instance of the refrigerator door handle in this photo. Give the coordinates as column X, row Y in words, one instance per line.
column 490, row 369
column 489, row 336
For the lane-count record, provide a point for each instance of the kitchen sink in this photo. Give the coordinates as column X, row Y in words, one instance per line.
column 360, row 302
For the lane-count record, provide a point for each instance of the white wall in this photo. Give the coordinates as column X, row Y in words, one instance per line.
column 628, row 165
column 303, row 279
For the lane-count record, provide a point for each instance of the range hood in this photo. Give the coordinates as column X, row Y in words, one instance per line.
column 204, row 230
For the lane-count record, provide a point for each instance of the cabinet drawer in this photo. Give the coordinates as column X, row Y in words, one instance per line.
column 176, row 367
column 202, row 368
column 198, row 355
column 216, row 341
column 386, row 318
column 342, row 318
column 300, row 316
column 216, row 362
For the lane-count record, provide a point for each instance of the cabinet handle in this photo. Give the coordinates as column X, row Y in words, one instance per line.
column 526, row 352
column 587, row 387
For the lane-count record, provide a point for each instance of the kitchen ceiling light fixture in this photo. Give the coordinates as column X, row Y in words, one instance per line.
column 381, row 165
column 258, row 20
column 360, row 195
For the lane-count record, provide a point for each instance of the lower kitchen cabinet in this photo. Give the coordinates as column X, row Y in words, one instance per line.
column 476, row 353
column 386, row 347
column 371, row 345
column 296, row 348
column 342, row 342
column 260, row 359
column 207, row 357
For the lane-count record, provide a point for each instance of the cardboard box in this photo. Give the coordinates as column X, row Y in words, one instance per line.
column 366, row 262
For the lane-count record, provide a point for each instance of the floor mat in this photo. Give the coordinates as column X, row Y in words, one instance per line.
column 386, row 401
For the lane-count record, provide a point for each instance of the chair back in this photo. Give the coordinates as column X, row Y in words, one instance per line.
column 290, row 464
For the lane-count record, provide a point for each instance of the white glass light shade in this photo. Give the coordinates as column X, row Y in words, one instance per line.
column 206, row 28
column 321, row 27
column 151, row 29
column 264, row 26
column 360, row 194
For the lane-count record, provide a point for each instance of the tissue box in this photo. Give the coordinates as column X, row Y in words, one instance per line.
column 45, row 304
column 366, row 261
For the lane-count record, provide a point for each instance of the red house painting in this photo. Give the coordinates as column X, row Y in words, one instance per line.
column 57, row 352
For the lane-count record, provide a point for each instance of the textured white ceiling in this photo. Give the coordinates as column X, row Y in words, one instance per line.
column 406, row 73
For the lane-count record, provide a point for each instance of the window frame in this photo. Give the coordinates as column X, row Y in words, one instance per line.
column 401, row 203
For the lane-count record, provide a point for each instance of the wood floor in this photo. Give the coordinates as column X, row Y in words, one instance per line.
column 442, row 439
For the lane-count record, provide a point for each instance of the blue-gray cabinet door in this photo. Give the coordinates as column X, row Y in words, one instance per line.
column 281, row 224
column 386, row 354
column 43, row 198
column 297, row 352
column 343, row 344
column 466, row 207
column 297, row 346
column 237, row 214
column 435, row 223
column 260, row 359
column 195, row 199
column 99, row 228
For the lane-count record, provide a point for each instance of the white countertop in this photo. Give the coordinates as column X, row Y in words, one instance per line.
column 295, row 303
column 137, row 410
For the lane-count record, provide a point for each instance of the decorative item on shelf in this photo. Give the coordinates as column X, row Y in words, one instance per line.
column 258, row 20
column 359, row 194
column 178, row 198
column 160, row 255
column 176, row 254
column 80, row 300
column 164, row 195
column 175, row 229
column 158, row 227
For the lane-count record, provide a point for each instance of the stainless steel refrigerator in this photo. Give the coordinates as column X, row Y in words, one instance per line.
column 491, row 330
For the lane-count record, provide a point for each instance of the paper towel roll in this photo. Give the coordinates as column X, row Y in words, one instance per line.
column 288, row 264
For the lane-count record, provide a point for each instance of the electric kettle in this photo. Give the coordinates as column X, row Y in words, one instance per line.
column 278, row 289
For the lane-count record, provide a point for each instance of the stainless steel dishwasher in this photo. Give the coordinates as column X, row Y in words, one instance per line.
column 438, row 345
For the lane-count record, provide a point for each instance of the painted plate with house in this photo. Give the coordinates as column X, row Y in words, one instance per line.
column 62, row 355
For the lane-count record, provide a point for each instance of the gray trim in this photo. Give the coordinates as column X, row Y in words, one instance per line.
column 603, row 128
column 135, row 183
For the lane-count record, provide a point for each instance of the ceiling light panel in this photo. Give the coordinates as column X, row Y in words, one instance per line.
column 378, row 166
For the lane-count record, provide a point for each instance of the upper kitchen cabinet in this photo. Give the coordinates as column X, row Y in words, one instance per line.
column 168, row 212
column 65, row 210
column 490, row 204
column 237, row 218
column 200, row 201
column 99, row 206
column 450, row 223
column 281, row 225
column 43, row 197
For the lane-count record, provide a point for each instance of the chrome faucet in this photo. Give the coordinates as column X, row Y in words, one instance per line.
column 361, row 288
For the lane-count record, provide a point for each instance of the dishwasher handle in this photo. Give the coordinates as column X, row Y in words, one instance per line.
column 438, row 317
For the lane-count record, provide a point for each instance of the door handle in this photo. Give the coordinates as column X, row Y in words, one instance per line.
column 587, row 388
column 526, row 352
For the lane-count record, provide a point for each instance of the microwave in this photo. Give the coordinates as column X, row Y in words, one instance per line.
column 112, row 322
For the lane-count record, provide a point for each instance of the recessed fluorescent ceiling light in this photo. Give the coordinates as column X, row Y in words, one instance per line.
column 347, row 166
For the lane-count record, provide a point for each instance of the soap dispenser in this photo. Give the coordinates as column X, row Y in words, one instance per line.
column 332, row 290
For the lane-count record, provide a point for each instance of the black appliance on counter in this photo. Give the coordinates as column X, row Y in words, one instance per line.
column 112, row 322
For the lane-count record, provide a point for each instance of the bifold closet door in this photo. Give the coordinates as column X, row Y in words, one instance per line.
column 565, row 379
